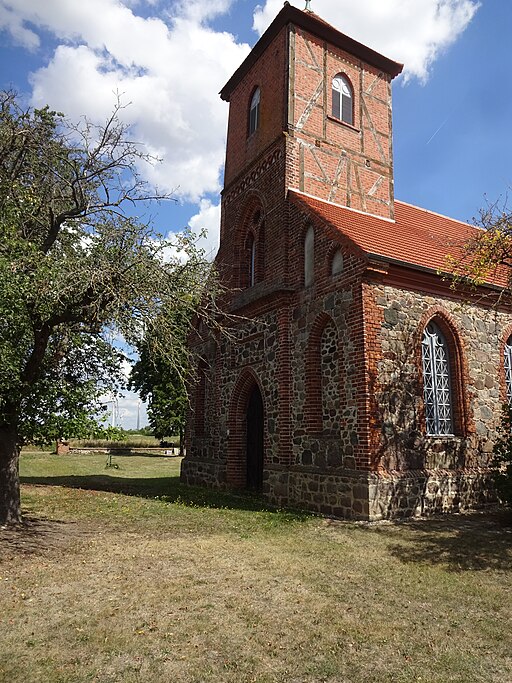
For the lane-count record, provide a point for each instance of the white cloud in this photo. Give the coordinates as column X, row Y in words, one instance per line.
column 172, row 64
column 200, row 11
column 207, row 221
column 170, row 71
column 13, row 23
column 205, row 229
column 125, row 409
column 412, row 32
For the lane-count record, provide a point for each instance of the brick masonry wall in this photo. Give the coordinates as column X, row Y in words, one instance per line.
column 346, row 164
column 410, row 473
column 269, row 74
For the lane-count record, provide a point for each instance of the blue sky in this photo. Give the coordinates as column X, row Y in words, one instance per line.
column 452, row 108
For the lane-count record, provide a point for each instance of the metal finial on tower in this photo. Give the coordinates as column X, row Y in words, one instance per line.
column 308, row 6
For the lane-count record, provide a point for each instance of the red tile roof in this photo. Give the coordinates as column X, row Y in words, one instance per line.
column 416, row 237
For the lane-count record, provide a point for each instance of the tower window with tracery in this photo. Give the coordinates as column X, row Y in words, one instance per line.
column 342, row 99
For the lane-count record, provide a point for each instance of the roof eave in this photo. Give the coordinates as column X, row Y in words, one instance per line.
column 408, row 265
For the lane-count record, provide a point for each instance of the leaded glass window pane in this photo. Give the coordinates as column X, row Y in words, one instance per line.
column 342, row 99
column 309, row 257
column 436, row 382
column 254, row 113
column 507, row 360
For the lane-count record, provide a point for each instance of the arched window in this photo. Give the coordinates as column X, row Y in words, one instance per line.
column 337, row 263
column 342, row 99
column 507, row 362
column 254, row 112
column 252, row 265
column 252, row 261
column 437, row 390
column 309, row 257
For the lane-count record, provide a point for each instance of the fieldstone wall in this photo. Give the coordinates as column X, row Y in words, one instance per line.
column 420, row 474
column 330, row 381
column 342, row 494
column 398, row 389
column 395, row 495
column 198, row 472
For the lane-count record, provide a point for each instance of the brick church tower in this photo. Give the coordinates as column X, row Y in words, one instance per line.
column 298, row 402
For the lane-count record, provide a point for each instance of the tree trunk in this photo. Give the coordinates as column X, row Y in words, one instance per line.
column 10, row 506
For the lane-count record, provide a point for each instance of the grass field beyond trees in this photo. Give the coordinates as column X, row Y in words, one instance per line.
column 123, row 575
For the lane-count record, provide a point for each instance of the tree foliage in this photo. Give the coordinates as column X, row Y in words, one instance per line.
column 502, row 462
column 78, row 265
column 487, row 256
column 486, row 259
column 162, row 384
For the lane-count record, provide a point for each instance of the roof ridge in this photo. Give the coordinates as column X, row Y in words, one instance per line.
column 341, row 206
column 436, row 213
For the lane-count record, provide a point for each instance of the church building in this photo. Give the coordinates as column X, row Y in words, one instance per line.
column 355, row 381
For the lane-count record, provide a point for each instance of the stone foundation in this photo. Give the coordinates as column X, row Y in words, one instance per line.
column 343, row 495
column 352, row 494
column 394, row 495
column 209, row 473
column 374, row 496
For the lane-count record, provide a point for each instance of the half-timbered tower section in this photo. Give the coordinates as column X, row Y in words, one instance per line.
column 354, row 380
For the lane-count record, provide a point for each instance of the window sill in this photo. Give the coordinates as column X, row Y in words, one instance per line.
column 343, row 123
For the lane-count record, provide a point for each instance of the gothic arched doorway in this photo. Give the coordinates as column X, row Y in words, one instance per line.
column 255, row 440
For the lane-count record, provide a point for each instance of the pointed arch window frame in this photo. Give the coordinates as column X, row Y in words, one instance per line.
column 437, row 382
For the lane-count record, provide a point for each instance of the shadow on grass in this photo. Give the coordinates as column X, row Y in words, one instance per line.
column 474, row 542
column 33, row 535
column 167, row 489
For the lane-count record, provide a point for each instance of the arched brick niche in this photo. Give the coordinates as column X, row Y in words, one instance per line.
column 321, row 408
column 200, row 399
column 309, row 255
column 252, row 242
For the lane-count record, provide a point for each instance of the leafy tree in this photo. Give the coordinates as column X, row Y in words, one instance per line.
column 66, row 401
column 486, row 258
column 162, row 383
column 77, row 266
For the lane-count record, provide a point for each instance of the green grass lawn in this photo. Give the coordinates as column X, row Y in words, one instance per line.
column 124, row 575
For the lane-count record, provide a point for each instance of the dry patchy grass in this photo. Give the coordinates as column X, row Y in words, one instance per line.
column 154, row 582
